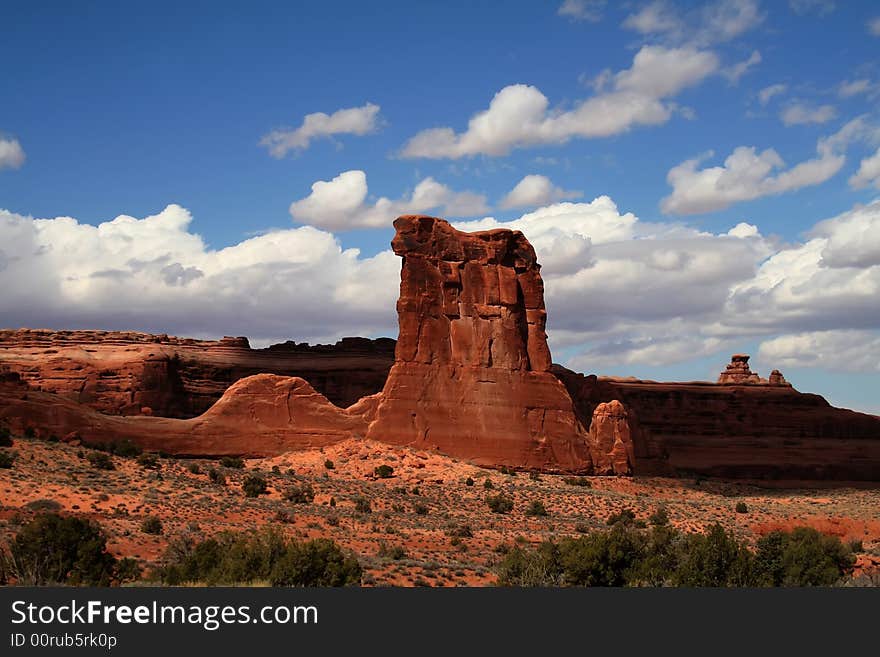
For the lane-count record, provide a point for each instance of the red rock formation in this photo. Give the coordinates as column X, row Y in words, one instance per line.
column 261, row 415
column 471, row 376
column 738, row 371
column 776, row 379
column 121, row 373
column 611, row 442
column 763, row 432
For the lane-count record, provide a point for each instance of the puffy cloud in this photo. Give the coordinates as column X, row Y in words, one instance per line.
column 534, row 190
column 844, row 350
column 874, row 26
column 868, row 173
column 154, row 274
column 735, row 72
column 801, row 114
column 709, row 24
column 342, row 204
column 582, row 10
column 358, row 121
column 767, row 93
column 748, row 174
column 11, row 153
column 520, row 116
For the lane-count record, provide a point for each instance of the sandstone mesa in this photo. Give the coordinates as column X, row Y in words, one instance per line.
column 470, row 375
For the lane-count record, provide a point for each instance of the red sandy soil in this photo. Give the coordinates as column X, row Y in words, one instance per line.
column 417, row 509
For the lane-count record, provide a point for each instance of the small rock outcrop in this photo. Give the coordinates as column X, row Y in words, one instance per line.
column 611, row 440
column 738, row 371
column 471, row 374
column 776, row 379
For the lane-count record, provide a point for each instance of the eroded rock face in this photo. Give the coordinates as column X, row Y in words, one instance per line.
column 738, row 371
column 471, row 374
column 611, row 439
column 122, row 373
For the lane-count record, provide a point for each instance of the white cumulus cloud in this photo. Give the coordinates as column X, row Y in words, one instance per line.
column 748, row 174
column 868, row 173
column 520, row 116
column 582, row 10
column 11, row 153
column 358, row 121
column 534, row 190
column 342, row 203
column 801, row 114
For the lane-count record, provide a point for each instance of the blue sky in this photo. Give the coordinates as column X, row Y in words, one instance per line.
column 119, row 109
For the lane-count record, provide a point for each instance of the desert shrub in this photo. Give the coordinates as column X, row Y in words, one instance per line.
column 714, row 559
column 284, row 516
column 537, row 508
column 149, row 461
column 100, row 460
column 420, row 510
column 329, row 465
column 856, row 546
column 55, row 549
column 30, row 433
column 659, row 558
column 488, row 484
column 5, row 437
column 539, row 567
column 602, row 558
column 625, row 517
column 127, row 570
column 459, row 531
column 577, row 481
column 499, row 503
column 582, row 528
column 194, row 468
column 384, row 471
column 741, row 507
column 802, row 557
column 394, row 552
column 6, row 459
column 151, row 525
column 534, row 476
column 216, row 477
column 254, row 486
column 232, row 462
column 319, row 562
column 303, row 494
column 362, row 505
column 44, row 506
column 332, row 502
column 660, row 517
column 125, row 448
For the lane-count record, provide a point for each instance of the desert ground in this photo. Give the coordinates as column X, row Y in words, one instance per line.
column 428, row 524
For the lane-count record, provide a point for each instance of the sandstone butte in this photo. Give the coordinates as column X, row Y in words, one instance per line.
column 471, row 376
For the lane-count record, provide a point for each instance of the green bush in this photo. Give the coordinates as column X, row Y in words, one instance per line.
column 329, row 464
column 625, row 517
column 362, row 505
column 44, row 506
column 539, row 567
column 660, row 517
column 6, row 459
column 420, row 509
column 151, row 525
column 5, row 437
column 55, row 549
column 149, row 461
column 488, row 484
column 232, row 462
column 578, row 481
column 469, row 481
column 714, row 559
column 233, row 558
column 125, row 448
column 802, row 557
column 537, row 508
column 303, row 494
column 254, row 486
column 741, row 507
column 194, row 468
column 100, row 460
column 499, row 503
column 128, row 570
column 384, row 471
column 216, row 477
